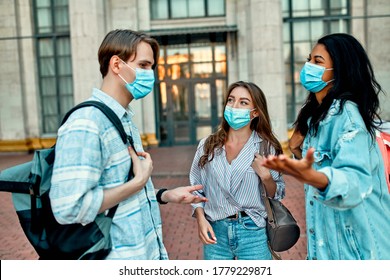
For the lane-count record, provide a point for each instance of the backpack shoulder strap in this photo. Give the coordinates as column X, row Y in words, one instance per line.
column 110, row 114
column 106, row 111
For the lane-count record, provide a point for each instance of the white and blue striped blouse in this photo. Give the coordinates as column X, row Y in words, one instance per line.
column 234, row 187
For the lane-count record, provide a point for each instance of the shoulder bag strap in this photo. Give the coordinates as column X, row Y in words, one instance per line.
column 267, row 205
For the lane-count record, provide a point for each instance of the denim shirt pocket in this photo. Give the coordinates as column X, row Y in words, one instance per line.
column 322, row 159
column 353, row 244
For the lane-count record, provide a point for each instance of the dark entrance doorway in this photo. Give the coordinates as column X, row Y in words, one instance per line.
column 189, row 110
column 190, row 87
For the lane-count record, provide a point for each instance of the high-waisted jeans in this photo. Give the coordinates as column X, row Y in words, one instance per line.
column 239, row 239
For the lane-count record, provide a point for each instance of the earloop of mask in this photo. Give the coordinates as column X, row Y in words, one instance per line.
column 122, row 78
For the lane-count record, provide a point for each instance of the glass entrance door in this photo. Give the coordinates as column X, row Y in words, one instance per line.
column 189, row 110
column 192, row 74
column 175, row 124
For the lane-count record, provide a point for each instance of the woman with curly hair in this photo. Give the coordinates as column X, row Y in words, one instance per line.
column 347, row 199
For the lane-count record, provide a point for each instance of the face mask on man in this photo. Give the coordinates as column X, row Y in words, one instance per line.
column 311, row 77
column 237, row 117
column 143, row 83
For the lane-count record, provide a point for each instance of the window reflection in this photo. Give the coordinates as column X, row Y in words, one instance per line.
column 178, row 71
column 203, row 100
column 220, row 68
column 338, row 7
column 201, row 53
column 304, row 8
column 180, row 102
column 193, row 81
column 161, row 72
column 163, row 96
column 172, row 9
column 216, row 7
column 220, row 53
column 198, row 60
column 177, row 54
column 196, row 8
column 221, row 89
column 177, row 60
column 179, row 8
column 159, row 9
column 54, row 61
column 202, row 70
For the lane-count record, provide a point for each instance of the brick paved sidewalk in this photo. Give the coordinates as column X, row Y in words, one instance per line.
column 171, row 166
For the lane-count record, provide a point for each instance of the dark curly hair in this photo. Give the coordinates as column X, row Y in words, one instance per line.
column 354, row 80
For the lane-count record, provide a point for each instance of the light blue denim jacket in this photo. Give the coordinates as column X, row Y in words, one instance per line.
column 351, row 218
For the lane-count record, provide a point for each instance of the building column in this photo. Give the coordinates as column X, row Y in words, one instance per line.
column 262, row 31
column 19, row 123
column 88, row 25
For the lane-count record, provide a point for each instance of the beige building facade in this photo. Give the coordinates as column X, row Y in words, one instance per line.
column 45, row 70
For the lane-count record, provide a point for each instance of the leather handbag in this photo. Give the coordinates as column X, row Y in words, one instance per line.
column 282, row 228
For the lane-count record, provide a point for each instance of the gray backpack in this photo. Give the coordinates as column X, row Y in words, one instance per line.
column 30, row 183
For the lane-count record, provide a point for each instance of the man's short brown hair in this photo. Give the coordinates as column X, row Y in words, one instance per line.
column 123, row 43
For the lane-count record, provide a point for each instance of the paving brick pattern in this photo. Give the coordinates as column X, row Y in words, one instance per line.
column 171, row 166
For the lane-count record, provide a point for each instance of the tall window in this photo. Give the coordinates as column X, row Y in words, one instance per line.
column 305, row 21
column 54, row 61
column 192, row 77
column 190, row 61
column 174, row 9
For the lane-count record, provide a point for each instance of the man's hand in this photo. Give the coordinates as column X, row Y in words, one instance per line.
column 183, row 195
column 142, row 168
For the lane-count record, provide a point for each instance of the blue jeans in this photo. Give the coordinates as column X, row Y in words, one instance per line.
column 239, row 239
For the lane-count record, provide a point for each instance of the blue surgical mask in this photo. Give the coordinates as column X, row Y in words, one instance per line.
column 237, row 117
column 311, row 77
column 143, row 83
